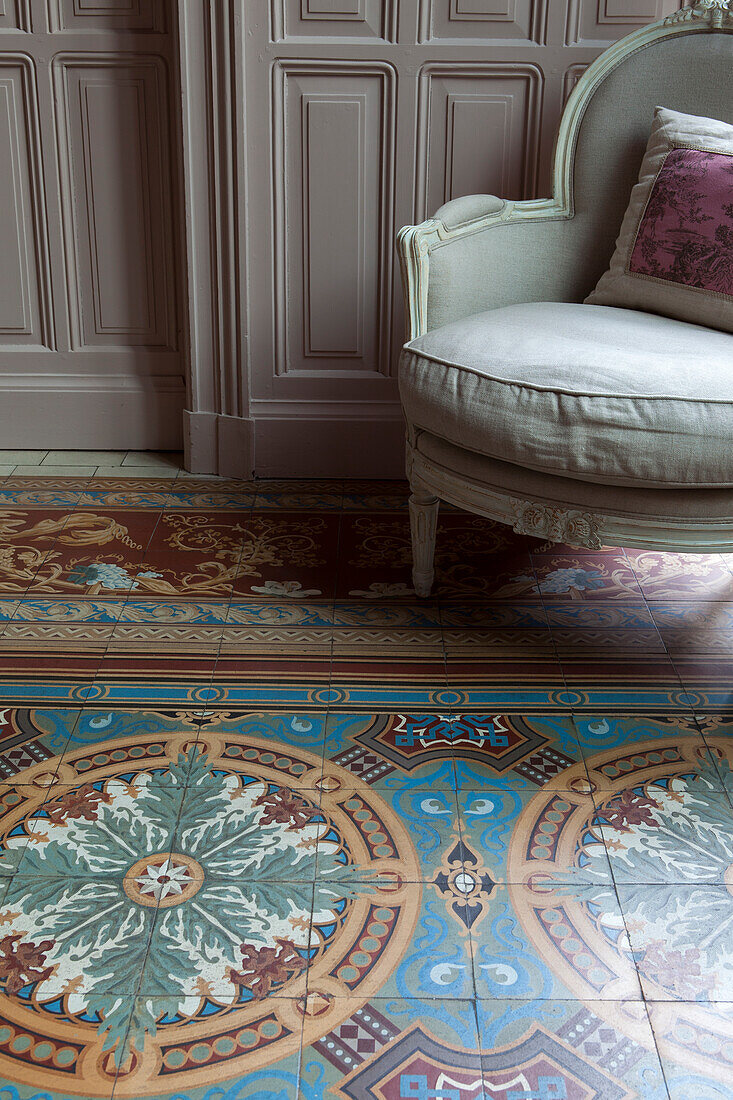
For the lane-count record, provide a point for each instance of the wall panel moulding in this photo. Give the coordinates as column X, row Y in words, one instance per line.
column 312, row 131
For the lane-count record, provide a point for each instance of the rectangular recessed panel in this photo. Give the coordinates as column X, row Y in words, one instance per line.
column 572, row 76
column 99, row 15
column 628, row 10
column 482, row 9
column 333, row 18
column 8, row 15
column 473, row 166
column 483, row 19
column 478, row 134
column 119, row 191
column 19, row 305
column 333, row 222
column 332, row 237
column 338, row 9
column 601, row 21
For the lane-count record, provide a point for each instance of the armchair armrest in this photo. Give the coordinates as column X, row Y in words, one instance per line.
column 467, row 209
column 480, row 252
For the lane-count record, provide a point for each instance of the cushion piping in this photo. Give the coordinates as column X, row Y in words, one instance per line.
column 567, row 393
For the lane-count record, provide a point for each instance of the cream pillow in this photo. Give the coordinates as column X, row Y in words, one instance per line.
column 674, row 254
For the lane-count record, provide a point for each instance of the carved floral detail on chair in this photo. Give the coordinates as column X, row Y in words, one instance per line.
column 557, row 524
column 717, row 12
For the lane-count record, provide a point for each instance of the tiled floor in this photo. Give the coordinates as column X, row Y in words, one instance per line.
column 270, row 826
column 89, row 463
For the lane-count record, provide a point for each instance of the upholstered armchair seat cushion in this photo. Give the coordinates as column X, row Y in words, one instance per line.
column 669, row 505
column 594, row 393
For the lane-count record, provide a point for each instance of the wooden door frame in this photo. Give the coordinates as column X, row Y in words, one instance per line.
column 218, row 433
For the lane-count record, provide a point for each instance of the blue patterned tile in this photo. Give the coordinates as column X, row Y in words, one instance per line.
column 71, row 611
column 694, row 1047
column 565, row 1047
column 296, row 612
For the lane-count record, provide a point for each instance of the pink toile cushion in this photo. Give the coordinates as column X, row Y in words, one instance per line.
column 674, row 254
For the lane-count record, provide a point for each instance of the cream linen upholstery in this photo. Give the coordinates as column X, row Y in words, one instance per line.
column 586, row 424
column 556, row 258
column 591, row 392
column 664, row 505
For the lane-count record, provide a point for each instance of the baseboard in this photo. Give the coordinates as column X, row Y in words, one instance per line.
column 235, row 446
column 320, row 447
column 200, row 455
column 294, row 447
column 216, row 444
column 73, row 412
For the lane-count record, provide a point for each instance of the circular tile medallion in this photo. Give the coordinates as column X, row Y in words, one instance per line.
column 664, row 816
column 171, row 911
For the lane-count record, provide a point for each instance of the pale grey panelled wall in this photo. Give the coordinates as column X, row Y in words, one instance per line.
column 89, row 307
column 348, row 119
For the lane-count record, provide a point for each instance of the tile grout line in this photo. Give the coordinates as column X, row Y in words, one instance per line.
column 25, row 596
column 572, row 711
column 125, row 601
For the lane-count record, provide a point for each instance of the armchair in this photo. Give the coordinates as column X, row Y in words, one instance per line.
column 603, row 440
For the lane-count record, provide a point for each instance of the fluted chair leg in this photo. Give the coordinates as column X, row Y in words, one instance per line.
column 423, row 525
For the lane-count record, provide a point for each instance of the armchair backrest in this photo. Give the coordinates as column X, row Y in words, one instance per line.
column 684, row 63
column 481, row 252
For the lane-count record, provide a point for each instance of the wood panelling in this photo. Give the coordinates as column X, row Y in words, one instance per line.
column 100, row 15
column 522, row 20
column 572, row 76
column 332, row 19
column 22, row 235
column 351, row 118
column 603, row 21
column 15, row 15
column 89, row 226
column 114, row 144
column 16, row 232
column 333, row 232
column 477, row 132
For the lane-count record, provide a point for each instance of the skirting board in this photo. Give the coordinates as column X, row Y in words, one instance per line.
column 217, row 444
column 294, row 447
column 78, row 416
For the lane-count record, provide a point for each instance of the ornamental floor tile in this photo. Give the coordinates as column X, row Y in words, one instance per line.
column 569, row 942
column 506, row 752
column 221, row 1062
column 514, row 835
column 31, row 541
column 585, row 577
column 667, row 576
column 520, row 614
column 101, row 1024
column 695, row 1052
column 29, row 736
column 691, row 614
column 466, row 846
column 109, row 566
column 98, row 828
column 427, row 821
column 393, row 752
column 395, row 1048
column 572, row 1048
column 525, row 672
column 625, row 752
column 581, row 643
column 704, row 673
column 73, row 924
column 200, row 950
column 527, row 645
column 672, row 828
column 680, row 937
